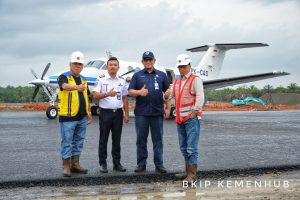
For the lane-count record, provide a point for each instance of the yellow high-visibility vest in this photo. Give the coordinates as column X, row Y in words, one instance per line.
column 68, row 101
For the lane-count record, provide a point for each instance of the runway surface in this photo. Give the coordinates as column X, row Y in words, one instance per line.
column 29, row 146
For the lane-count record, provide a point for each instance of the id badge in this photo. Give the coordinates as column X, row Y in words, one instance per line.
column 119, row 95
column 156, row 86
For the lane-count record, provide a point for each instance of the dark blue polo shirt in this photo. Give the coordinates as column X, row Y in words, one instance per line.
column 156, row 83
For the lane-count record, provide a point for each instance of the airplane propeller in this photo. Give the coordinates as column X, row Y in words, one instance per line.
column 45, row 70
column 37, row 87
column 35, row 92
column 33, row 73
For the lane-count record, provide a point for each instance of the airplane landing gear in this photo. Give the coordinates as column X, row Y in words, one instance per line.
column 95, row 110
column 52, row 112
column 173, row 112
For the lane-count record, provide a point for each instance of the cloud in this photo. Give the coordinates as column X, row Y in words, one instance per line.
column 33, row 34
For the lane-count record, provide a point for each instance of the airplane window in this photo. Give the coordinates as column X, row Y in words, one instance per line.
column 130, row 68
column 95, row 63
column 103, row 67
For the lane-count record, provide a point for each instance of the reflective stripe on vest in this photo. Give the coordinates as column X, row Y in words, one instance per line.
column 184, row 99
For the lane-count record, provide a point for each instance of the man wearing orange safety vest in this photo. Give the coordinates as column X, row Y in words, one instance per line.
column 189, row 98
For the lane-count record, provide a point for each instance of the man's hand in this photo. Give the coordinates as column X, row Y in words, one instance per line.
column 112, row 93
column 81, row 87
column 126, row 119
column 168, row 93
column 193, row 114
column 144, row 91
column 167, row 114
column 167, row 109
column 89, row 118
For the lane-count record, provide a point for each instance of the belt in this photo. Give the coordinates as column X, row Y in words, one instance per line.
column 113, row 110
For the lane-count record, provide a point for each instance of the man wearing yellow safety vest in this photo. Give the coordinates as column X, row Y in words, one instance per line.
column 189, row 99
column 74, row 114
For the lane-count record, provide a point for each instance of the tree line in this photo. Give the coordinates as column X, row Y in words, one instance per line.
column 228, row 94
column 23, row 94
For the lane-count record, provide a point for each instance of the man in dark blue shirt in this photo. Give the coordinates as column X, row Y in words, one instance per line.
column 148, row 86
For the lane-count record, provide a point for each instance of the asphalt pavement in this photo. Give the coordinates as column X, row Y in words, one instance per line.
column 229, row 142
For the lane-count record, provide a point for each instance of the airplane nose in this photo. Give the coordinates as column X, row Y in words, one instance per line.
column 37, row 82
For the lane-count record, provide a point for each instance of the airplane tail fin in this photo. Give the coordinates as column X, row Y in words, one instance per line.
column 211, row 63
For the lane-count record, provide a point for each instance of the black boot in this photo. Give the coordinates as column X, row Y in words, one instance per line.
column 119, row 168
column 140, row 168
column 161, row 169
column 103, row 168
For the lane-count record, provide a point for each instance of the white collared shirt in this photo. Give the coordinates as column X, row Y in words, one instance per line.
column 104, row 85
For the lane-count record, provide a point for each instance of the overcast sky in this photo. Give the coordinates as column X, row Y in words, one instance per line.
column 33, row 33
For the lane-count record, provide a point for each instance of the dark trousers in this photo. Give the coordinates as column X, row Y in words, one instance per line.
column 142, row 125
column 110, row 121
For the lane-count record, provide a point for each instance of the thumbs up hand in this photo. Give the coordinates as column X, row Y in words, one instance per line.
column 112, row 93
column 144, row 91
column 81, row 87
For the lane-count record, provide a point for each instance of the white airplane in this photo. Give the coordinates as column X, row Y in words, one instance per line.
column 208, row 70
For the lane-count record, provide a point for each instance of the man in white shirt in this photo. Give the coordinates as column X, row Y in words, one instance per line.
column 111, row 92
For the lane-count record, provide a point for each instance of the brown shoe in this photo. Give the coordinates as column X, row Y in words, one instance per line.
column 183, row 175
column 66, row 167
column 75, row 166
column 192, row 173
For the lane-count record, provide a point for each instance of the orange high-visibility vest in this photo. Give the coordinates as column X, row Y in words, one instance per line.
column 184, row 99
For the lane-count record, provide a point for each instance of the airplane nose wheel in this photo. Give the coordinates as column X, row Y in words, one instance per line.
column 173, row 112
column 51, row 112
column 95, row 110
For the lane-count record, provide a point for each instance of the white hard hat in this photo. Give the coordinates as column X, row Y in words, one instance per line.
column 77, row 57
column 183, row 59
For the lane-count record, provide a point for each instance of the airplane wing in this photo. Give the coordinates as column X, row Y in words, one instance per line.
column 224, row 82
column 228, row 46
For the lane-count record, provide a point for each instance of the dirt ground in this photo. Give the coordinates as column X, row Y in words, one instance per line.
column 18, row 107
column 280, row 185
column 210, row 106
column 226, row 106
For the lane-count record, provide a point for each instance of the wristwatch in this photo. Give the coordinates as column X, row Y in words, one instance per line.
column 105, row 94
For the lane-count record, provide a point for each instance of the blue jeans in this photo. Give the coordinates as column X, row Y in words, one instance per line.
column 72, row 137
column 188, row 136
column 142, row 124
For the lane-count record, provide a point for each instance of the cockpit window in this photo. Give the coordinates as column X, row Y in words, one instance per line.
column 130, row 68
column 96, row 63
column 103, row 67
